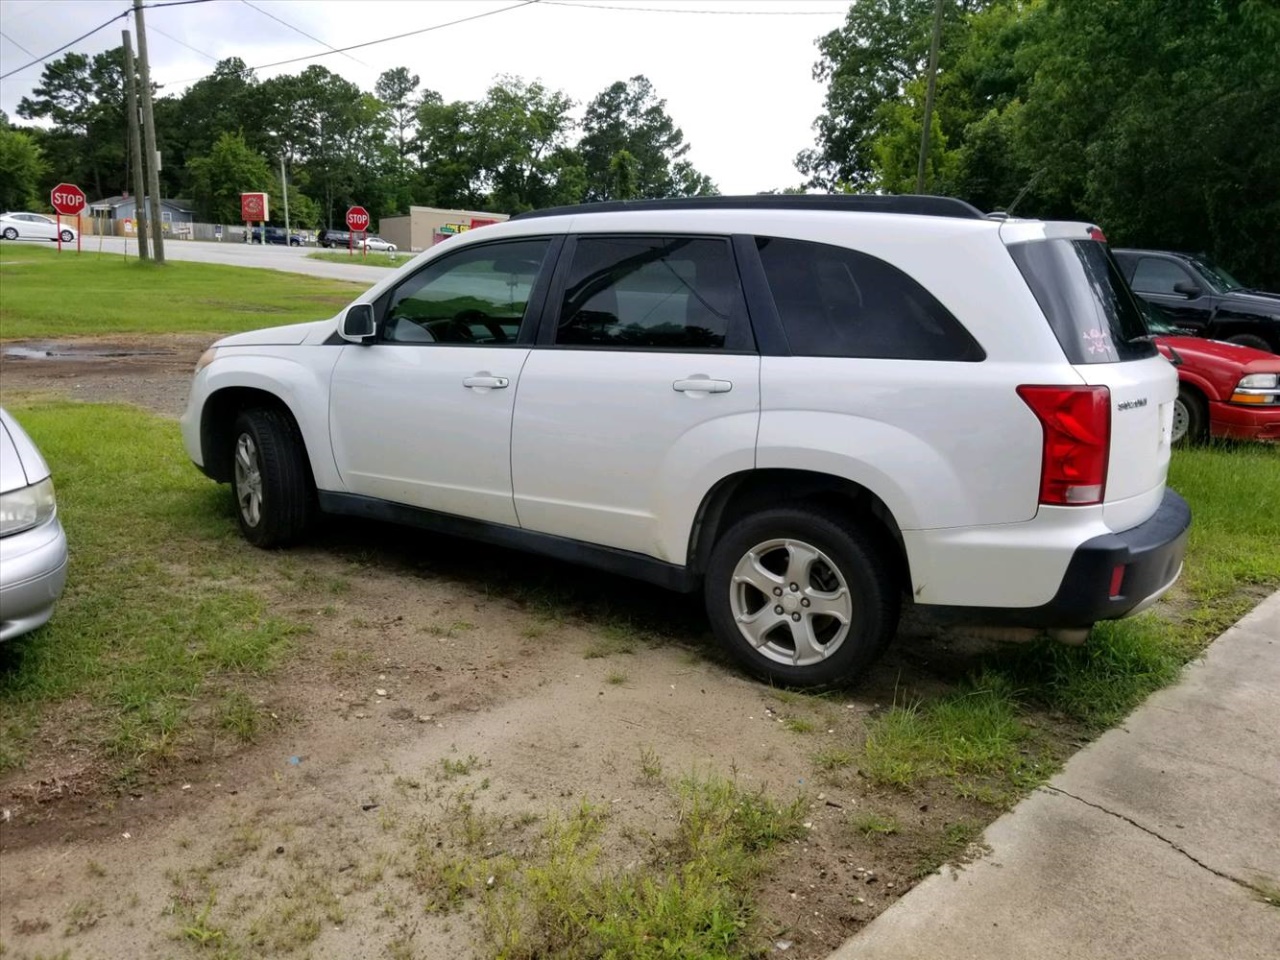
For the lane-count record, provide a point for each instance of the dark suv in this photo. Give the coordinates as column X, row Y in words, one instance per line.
column 277, row 235
column 1198, row 296
column 334, row 238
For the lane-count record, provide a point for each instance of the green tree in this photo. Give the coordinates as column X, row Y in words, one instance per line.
column 83, row 97
column 622, row 176
column 230, row 169
column 628, row 117
column 396, row 88
column 22, row 170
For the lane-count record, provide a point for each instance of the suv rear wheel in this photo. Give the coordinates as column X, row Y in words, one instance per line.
column 275, row 500
column 800, row 597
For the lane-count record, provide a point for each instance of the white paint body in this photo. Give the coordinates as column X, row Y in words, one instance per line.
column 597, row 446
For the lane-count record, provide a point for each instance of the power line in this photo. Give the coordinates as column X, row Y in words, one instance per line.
column 399, row 36
column 83, row 36
column 154, row 29
column 16, row 44
column 706, row 13
column 303, row 32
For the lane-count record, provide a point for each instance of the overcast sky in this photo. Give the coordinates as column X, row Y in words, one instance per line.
column 736, row 74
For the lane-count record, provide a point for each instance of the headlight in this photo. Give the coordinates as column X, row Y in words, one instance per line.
column 1260, row 381
column 206, row 358
column 26, row 508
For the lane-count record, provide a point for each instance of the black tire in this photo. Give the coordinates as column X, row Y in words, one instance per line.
column 1191, row 405
column 854, row 556
column 1250, row 340
column 286, row 500
column 10, row 233
column 68, row 236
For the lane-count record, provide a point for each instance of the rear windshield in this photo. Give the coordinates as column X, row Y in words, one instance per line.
column 1084, row 296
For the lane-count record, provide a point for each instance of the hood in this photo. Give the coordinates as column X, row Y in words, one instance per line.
column 20, row 461
column 1191, row 349
column 289, row 335
column 1254, row 301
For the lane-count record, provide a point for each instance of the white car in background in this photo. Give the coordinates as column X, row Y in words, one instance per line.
column 33, row 547
column 33, row 226
column 377, row 243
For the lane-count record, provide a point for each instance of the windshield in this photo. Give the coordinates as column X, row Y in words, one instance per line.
column 1217, row 277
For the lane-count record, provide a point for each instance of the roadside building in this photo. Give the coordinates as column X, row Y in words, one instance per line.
column 121, row 215
column 423, row 227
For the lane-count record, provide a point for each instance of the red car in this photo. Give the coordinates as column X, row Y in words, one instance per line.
column 1224, row 390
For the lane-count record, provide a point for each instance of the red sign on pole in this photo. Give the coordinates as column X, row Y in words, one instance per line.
column 253, row 207
column 358, row 219
column 67, row 199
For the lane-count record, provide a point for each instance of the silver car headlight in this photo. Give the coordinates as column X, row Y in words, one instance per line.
column 206, row 358
column 1259, row 381
column 26, row 508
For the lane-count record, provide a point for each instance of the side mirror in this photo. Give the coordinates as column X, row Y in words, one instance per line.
column 1187, row 289
column 357, row 324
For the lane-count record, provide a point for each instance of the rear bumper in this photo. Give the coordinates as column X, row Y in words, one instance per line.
column 1148, row 555
column 1236, row 422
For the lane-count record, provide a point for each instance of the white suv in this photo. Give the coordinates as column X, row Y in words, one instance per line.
column 814, row 409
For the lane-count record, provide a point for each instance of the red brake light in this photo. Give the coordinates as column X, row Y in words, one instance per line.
column 1077, row 442
column 1095, row 233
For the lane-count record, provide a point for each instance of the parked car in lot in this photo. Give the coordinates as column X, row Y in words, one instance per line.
column 278, row 235
column 1201, row 298
column 34, row 226
column 334, row 238
column 33, row 547
column 812, row 409
column 1224, row 389
column 374, row 242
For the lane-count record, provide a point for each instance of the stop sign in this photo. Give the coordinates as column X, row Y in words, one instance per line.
column 358, row 218
column 67, row 199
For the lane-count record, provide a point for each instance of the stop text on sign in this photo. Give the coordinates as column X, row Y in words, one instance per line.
column 358, row 218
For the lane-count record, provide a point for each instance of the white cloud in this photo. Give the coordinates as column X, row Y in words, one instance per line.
column 740, row 86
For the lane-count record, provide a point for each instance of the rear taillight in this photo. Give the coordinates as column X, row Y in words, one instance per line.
column 1077, row 441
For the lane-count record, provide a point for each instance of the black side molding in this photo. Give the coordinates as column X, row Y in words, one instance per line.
column 624, row 562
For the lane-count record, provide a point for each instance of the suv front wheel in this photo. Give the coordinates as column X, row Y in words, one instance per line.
column 800, row 597
column 275, row 500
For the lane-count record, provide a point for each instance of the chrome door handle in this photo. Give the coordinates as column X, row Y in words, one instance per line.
column 702, row 385
column 492, row 383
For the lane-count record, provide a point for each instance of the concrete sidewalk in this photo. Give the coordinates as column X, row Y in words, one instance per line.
column 1153, row 842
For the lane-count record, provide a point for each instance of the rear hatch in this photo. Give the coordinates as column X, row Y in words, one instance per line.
column 1103, row 334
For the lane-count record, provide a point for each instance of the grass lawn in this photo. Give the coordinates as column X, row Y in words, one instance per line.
column 983, row 738
column 160, row 616
column 44, row 294
column 374, row 259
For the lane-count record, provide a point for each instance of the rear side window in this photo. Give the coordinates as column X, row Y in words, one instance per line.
column 651, row 293
column 836, row 302
column 1082, row 293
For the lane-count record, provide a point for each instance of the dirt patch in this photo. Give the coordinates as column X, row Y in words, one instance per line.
column 449, row 698
column 149, row 371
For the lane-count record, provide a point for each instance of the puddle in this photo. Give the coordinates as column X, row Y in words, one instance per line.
column 68, row 351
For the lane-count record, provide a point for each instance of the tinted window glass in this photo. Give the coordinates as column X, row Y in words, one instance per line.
column 677, row 293
column 1089, row 306
column 476, row 296
column 1157, row 276
column 836, row 302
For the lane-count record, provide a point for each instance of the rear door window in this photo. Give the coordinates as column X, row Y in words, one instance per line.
column 1091, row 309
column 837, row 302
column 652, row 293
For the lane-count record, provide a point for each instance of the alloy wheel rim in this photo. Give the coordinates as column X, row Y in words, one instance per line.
column 248, row 479
column 790, row 602
column 1181, row 420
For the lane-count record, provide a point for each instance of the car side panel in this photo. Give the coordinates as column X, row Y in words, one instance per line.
column 298, row 376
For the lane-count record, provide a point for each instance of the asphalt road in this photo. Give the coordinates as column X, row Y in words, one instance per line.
column 269, row 257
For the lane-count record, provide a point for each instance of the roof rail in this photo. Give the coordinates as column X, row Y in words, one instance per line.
column 919, row 205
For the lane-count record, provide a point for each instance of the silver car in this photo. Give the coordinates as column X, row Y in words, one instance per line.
column 33, row 546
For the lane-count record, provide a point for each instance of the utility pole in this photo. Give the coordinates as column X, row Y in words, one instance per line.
column 135, row 149
column 928, row 96
column 284, row 192
column 149, row 132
